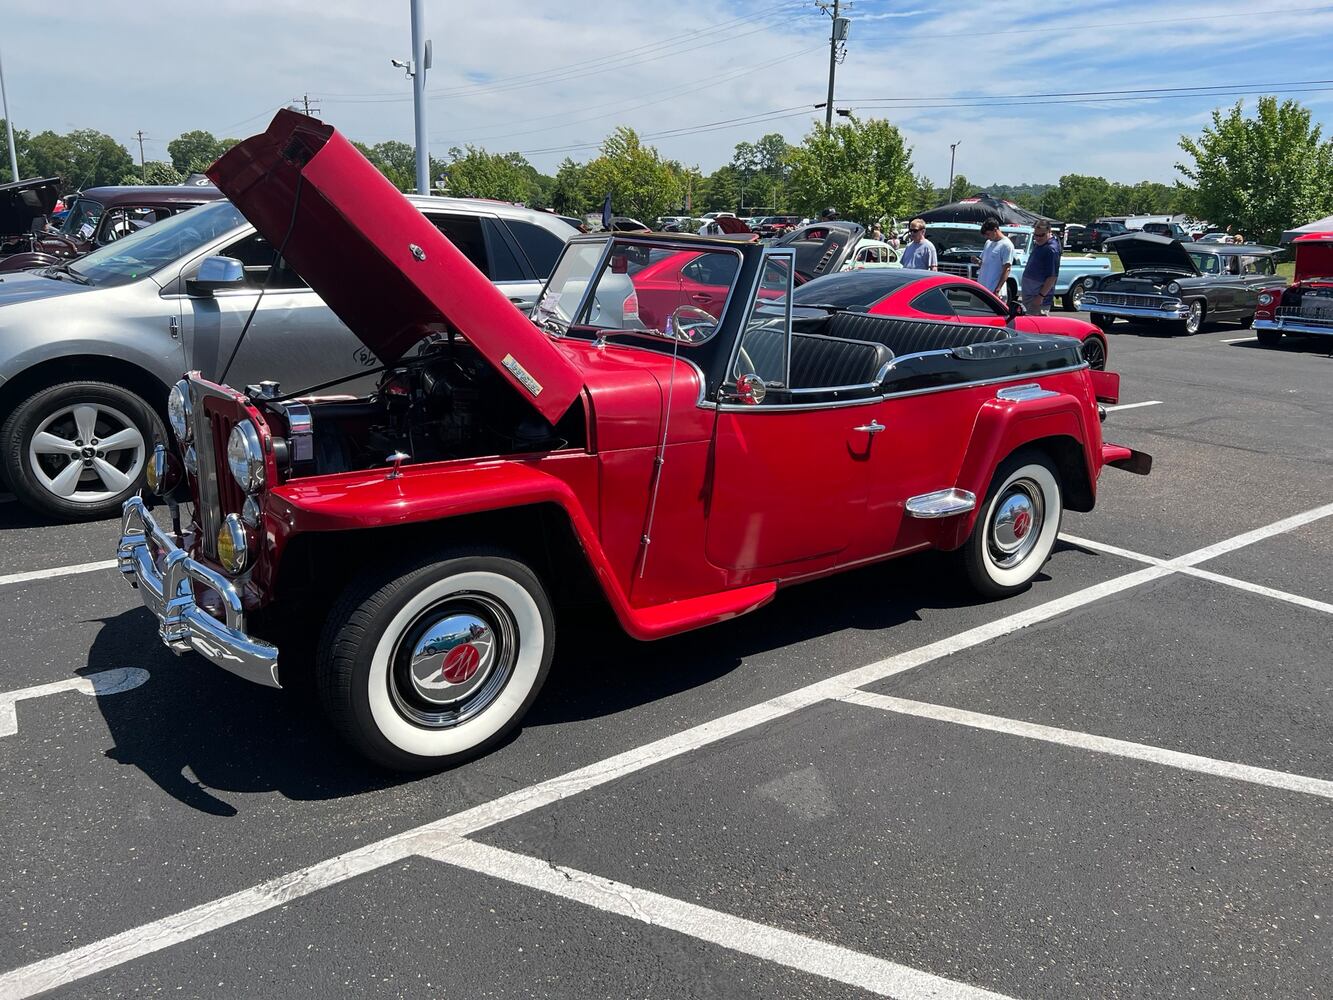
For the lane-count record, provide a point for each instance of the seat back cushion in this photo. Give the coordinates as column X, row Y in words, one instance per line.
column 910, row 336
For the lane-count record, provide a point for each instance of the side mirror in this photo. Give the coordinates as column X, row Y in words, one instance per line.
column 1015, row 308
column 216, row 273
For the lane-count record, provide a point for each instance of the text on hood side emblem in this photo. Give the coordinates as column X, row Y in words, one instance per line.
column 417, row 252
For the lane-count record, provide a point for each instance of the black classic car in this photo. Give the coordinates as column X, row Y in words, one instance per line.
column 23, row 203
column 1183, row 285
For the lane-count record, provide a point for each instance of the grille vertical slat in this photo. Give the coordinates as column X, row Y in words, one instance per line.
column 219, row 493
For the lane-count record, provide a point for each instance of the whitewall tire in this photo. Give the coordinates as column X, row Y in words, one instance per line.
column 437, row 661
column 1016, row 527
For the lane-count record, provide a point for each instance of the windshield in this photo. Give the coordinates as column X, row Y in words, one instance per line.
column 151, row 249
column 969, row 239
column 638, row 288
column 81, row 222
column 1205, row 262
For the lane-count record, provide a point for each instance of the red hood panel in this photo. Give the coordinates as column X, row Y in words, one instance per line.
column 381, row 266
column 1314, row 257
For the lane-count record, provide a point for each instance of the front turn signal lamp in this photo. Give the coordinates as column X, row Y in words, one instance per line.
column 233, row 544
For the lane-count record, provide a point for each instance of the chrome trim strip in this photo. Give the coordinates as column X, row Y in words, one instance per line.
column 1022, row 393
column 1287, row 326
column 183, row 625
column 1179, row 312
column 941, row 503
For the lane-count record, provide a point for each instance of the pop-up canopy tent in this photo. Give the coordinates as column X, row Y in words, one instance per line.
column 980, row 207
column 1318, row 226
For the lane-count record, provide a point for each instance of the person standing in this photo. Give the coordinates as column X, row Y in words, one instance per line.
column 1041, row 271
column 920, row 252
column 997, row 257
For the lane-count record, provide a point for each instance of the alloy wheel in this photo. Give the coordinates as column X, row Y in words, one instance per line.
column 1094, row 353
column 86, row 453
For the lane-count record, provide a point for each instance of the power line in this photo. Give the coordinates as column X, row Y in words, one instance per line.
column 1090, row 93
column 305, row 101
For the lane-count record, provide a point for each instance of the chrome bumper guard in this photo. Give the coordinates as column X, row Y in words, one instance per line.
column 1295, row 326
column 169, row 594
column 1181, row 311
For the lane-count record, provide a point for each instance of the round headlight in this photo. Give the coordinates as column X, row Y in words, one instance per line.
column 233, row 544
column 178, row 411
column 1173, row 288
column 1089, row 284
column 1265, row 299
column 245, row 456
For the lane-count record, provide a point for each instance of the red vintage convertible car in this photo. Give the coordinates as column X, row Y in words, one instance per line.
column 1306, row 306
column 504, row 465
column 932, row 295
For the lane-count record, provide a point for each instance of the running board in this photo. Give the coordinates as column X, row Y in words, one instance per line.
column 942, row 503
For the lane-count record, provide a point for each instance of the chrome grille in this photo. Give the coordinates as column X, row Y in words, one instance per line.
column 1309, row 313
column 219, row 494
column 1134, row 301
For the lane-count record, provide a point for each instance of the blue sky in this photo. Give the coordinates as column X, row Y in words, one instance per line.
column 542, row 78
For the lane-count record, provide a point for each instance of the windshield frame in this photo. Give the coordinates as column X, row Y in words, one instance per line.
column 67, row 223
column 159, row 232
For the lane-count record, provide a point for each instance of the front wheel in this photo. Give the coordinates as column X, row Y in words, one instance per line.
column 1094, row 353
column 1193, row 320
column 1102, row 320
column 1072, row 300
column 1269, row 338
column 437, row 660
column 1016, row 527
column 77, row 451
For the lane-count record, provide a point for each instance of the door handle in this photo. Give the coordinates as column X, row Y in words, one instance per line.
column 701, row 297
column 173, row 324
column 874, row 427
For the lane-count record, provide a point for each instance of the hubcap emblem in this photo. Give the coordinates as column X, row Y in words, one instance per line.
column 460, row 663
column 1022, row 523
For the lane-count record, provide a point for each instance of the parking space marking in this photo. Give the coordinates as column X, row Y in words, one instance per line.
column 47, row 574
column 772, row 944
column 177, row 928
column 1099, row 744
column 1239, row 340
column 1131, row 406
column 100, row 684
column 1202, row 574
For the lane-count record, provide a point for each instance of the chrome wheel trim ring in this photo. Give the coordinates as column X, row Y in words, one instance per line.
column 1076, row 295
column 52, row 453
column 1195, row 318
column 453, row 660
column 1017, row 518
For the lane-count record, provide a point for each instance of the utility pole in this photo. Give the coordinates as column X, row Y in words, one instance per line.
column 304, row 101
column 953, row 149
column 836, row 48
column 9, row 125
column 143, row 167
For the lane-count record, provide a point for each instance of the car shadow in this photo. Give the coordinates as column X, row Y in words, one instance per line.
column 1313, row 346
column 194, row 729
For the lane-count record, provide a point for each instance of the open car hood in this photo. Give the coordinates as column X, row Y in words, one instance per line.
column 1314, row 256
column 822, row 247
column 1140, row 250
column 381, row 266
column 23, row 201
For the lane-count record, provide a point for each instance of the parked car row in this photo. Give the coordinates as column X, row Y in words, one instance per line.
column 959, row 243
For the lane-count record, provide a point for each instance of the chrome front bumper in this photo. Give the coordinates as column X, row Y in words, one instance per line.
column 1135, row 312
column 1289, row 326
column 168, row 593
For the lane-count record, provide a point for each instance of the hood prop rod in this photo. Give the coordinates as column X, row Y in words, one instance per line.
column 658, row 462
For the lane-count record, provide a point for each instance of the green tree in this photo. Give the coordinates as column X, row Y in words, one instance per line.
column 475, row 173
column 960, row 189
column 641, row 185
column 1261, row 174
column 861, row 168
column 83, row 158
column 195, row 151
column 771, row 151
column 1081, row 198
column 720, row 191
column 157, row 172
column 567, row 195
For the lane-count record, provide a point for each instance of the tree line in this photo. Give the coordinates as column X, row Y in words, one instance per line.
column 1260, row 173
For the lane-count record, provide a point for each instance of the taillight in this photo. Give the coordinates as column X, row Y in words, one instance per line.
column 630, row 307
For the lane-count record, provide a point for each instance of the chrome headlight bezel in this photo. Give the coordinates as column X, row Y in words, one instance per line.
column 233, row 544
column 1265, row 299
column 178, row 411
column 245, row 456
column 1173, row 288
column 1090, row 282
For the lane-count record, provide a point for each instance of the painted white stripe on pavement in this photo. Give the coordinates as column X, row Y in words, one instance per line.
column 102, row 683
column 1250, row 537
column 772, row 944
column 71, row 966
column 1131, row 406
column 1099, row 744
column 1238, row 340
column 1202, row 574
column 46, row 574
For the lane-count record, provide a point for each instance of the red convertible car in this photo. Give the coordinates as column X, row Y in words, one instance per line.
column 932, row 295
column 1306, row 306
column 423, row 540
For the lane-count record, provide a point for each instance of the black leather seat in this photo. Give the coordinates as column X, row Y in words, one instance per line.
column 816, row 362
column 910, row 336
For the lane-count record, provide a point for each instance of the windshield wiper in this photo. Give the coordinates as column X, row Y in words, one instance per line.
column 55, row 270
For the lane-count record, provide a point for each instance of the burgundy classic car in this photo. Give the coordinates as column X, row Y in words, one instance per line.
column 1306, row 306
column 423, row 541
column 23, row 203
column 103, row 215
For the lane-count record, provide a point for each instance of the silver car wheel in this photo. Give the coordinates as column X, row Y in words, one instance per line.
column 86, row 453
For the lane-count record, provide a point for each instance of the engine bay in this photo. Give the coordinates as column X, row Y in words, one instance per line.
column 445, row 403
column 1141, row 282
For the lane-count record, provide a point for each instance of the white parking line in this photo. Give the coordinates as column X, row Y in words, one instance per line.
column 1202, row 574
column 1238, row 340
column 772, row 944
column 1100, row 744
column 1132, row 406
column 98, row 956
column 100, row 684
column 47, row 574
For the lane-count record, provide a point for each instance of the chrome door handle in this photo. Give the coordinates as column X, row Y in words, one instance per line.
column 874, row 427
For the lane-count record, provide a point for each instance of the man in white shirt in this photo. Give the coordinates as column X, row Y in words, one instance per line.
column 997, row 257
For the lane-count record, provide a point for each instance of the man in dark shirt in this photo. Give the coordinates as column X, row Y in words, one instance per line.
column 1041, row 271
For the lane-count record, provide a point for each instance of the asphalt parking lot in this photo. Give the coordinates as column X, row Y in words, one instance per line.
column 1118, row 784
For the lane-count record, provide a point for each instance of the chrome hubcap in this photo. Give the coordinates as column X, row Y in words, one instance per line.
column 453, row 660
column 1016, row 523
column 87, row 453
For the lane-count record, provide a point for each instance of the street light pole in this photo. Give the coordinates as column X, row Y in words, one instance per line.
column 953, row 149
column 420, row 63
column 9, row 126
column 832, row 65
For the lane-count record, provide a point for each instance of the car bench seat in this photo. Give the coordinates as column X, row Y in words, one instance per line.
column 818, row 362
column 910, row 336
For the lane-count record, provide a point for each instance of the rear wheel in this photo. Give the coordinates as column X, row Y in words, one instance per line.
column 437, row 660
column 1072, row 300
column 77, row 451
column 1017, row 526
column 1094, row 353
